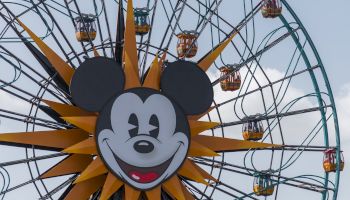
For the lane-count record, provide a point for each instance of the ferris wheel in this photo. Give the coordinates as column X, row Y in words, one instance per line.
column 162, row 99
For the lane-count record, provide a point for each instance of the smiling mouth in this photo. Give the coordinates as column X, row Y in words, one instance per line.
column 143, row 174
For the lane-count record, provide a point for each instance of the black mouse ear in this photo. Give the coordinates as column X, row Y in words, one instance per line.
column 188, row 85
column 95, row 82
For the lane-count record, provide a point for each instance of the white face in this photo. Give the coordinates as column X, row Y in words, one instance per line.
column 143, row 148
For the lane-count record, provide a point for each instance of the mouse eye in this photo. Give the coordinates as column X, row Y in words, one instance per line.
column 134, row 125
column 153, row 121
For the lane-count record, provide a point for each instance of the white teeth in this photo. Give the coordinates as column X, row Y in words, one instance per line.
column 135, row 177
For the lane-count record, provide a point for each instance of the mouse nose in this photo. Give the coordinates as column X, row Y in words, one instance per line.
column 143, row 146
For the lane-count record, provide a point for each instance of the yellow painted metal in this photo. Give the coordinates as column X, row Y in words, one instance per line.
column 206, row 62
column 173, row 188
column 188, row 195
column 87, row 146
column 261, row 191
column 198, row 127
column 67, row 110
column 63, row 69
column 96, row 168
column 142, row 29
column 51, row 139
column 83, row 190
column 111, row 186
column 96, row 54
column 87, row 123
column 83, row 36
column 154, row 194
column 197, row 150
column 131, row 193
column 131, row 68
column 73, row 164
column 189, row 170
column 153, row 77
column 225, row 144
column 254, row 136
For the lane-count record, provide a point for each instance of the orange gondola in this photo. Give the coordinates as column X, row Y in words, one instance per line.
column 330, row 160
column 187, row 45
column 231, row 79
column 253, row 130
column 142, row 22
column 271, row 8
column 85, row 28
column 263, row 185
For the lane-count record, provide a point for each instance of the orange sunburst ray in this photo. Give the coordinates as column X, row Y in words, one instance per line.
column 63, row 69
column 188, row 170
column 210, row 57
column 198, row 127
column 131, row 193
column 131, row 68
column 173, row 188
column 111, row 186
column 87, row 146
column 153, row 77
column 96, row 54
column 66, row 110
column 188, row 195
column 198, row 150
column 87, row 123
column 85, row 189
column 204, row 173
column 96, row 168
column 219, row 144
column 154, row 194
column 57, row 139
column 72, row 164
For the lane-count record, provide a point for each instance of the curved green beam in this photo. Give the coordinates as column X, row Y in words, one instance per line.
column 325, row 77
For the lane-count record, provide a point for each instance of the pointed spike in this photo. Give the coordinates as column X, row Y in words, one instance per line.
column 197, row 150
column 219, row 144
column 131, row 193
column 72, row 164
column 131, row 68
column 205, row 174
column 87, row 146
column 96, row 168
column 188, row 170
column 57, row 139
column 96, row 54
column 63, row 69
column 67, row 110
column 153, row 77
column 187, row 194
column 85, row 189
column 210, row 57
column 173, row 188
column 154, row 194
column 87, row 123
column 198, row 127
column 111, row 186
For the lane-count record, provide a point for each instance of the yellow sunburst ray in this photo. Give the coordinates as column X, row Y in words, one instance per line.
column 188, row 195
column 87, row 123
column 209, row 58
column 131, row 68
column 188, row 170
column 63, row 69
column 204, row 173
column 153, row 77
column 198, row 127
column 59, row 139
column 197, row 117
column 87, row 146
column 67, row 110
column 131, row 193
column 72, row 164
column 85, row 189
column 154, row 194
column 96, row 54
column 173, row 188
column 219, row 144
column 111, row 186
column 96, row 168
column 198, row 150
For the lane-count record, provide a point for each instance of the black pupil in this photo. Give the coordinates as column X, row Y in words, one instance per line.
column 133, row 121
column 154, row 122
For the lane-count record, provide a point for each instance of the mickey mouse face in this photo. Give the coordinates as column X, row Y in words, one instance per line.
column 142, row 134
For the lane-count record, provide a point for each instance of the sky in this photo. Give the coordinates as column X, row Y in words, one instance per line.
column 328, row 25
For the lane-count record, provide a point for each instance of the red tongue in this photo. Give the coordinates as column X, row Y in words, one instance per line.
column 143, row 178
